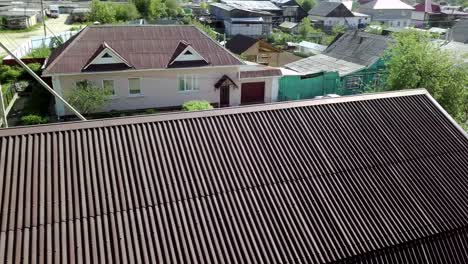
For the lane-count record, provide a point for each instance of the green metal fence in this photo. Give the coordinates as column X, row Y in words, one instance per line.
column 306, row 87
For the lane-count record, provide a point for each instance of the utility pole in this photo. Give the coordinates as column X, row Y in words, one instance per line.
column 2, row 109
column 41, row 82
column 43, row 18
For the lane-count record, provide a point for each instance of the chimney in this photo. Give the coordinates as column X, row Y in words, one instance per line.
column 428, row 6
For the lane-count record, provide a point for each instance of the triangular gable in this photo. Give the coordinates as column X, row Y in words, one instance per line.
column 341, row 11
column 186, row 55
column 225, row 81
column 105, row 55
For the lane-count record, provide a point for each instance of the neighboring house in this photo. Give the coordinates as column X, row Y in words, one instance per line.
column 157, row 67
column 240, row 20
column 336, row 13
column 254, row 50
column 289, row 27
column 292, row 11
column 309, row 47
column 428, row 15
column 432, row 15
column 350, row 65
column 377, row 178
column 19, row 19
column 393, row 13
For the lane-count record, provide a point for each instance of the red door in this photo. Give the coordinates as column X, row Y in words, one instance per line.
column 253, row 93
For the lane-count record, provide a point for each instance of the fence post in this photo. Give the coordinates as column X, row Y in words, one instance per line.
column 4, row 117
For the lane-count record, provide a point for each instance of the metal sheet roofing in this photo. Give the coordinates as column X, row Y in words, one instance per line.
column 387, row 4
column 323, row 8
column 359, row 47
column 323, row 63
column 143, row 46
column 252, row 5
column 349, row 178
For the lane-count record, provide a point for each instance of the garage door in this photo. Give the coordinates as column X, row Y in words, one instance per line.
column 253, row 93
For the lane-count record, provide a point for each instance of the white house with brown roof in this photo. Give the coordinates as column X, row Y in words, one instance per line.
column 158, row 67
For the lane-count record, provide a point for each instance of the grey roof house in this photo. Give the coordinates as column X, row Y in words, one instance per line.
column 393, row 13
column 349, row 53
column 335, row 13
column 252, row 18
column 256, row 184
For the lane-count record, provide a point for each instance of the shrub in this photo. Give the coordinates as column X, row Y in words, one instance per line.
column 42, row 52
column 151, row 111
column 87, row 97
column 196, row 106
column 9, row 73
column 33, row 120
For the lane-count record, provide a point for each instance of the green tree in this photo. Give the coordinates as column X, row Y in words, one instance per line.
column 337, row 29
column 305, row 28
column 415, row 62
column 101, row 12
column 143, row 6
column 157, row 9
column 126, row 12
column 307, row 4
column 172, row 8
column 204, row 6
column 88, row 97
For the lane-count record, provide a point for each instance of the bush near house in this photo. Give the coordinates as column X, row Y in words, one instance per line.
column 33, row 120
column 88, row 98
column 196, row 106
column 43, row 52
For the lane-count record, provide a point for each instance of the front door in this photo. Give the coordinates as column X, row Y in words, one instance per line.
column 224, row 96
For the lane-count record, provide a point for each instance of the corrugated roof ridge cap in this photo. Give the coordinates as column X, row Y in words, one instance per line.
column 80, row 35
column 120, row 121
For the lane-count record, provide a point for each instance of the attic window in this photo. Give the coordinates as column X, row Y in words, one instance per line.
column 106, row 55
column 188, row 52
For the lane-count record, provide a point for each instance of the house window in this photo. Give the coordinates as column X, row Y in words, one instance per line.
column 353, row 82
column 134, row 86
column 376, row 80
column 108, row 85
column 188, row 82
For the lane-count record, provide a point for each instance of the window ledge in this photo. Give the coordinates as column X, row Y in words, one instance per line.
column 189, row 91
column 135, row 95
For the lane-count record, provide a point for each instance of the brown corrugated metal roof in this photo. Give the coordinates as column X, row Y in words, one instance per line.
column 143, row 46
column 306, row 181
column 260, row 73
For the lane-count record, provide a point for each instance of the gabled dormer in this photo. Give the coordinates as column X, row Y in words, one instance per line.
column 106, row 58
column 186, row 56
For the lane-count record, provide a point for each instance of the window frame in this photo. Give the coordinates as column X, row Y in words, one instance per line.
column 351, row 80
column 113, row 86
column 130, row 89
column 191, row 80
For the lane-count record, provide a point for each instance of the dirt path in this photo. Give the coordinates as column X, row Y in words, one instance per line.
column 13, row 40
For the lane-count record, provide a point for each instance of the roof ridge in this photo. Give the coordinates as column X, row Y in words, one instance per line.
column 56, row 127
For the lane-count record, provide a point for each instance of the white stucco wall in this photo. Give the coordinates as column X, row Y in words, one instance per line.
column 350, row 21
column 159, row 89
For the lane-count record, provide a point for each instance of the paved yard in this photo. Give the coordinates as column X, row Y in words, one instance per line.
column 13, row 40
